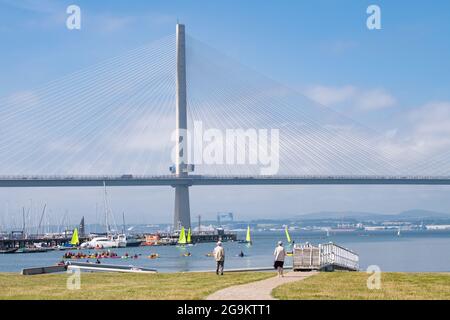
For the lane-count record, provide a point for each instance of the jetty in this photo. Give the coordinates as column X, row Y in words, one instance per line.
column 43, row 270
column 12, row 242
column 324, row 257
column 85, row 266
column 107, row 267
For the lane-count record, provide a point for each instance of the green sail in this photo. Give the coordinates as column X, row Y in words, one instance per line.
column 182, row 238
column 189, row 236
column 288, row 237
column 75, row 241
column 248, row 238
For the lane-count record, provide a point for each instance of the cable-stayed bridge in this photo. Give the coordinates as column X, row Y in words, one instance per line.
column 113, row 124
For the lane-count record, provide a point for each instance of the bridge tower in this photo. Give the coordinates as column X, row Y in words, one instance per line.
column 182, row 216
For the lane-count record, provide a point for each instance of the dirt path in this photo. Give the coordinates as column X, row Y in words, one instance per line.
column 260, row 290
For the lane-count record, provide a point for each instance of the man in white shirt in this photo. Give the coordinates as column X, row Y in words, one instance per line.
column 279, row 254
column 219, row 256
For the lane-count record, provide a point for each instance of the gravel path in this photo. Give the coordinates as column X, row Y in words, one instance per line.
column 259, row 290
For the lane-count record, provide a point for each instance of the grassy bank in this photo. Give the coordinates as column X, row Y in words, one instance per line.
column 122, row 286
column 353, row 285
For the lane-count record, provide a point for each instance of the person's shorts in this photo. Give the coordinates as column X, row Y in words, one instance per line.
column 278, row 264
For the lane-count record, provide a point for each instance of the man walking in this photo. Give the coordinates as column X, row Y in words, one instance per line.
column 279, row 254
column 219, row 256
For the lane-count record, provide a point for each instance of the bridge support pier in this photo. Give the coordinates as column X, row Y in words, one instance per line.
column 182, row 216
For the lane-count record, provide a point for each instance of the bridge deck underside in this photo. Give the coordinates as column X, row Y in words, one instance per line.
column 90, row 181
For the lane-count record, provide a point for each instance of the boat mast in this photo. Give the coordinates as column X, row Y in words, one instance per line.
column 97, row 222
column 123, row 222
column 40, row 220
column 106, row 209
column 23, row 221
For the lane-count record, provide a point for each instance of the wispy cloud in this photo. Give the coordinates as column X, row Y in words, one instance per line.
column 422, row 137
column 109, row 23
column 431, row 126
column 352, row 97
column 330, row 96
column 41, row 6
column 340, row 46
column 52, row 14
column 374, row 99
column 22, row 98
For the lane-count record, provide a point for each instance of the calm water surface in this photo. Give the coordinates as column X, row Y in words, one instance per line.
column 412, row 251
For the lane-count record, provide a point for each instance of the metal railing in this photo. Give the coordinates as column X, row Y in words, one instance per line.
column 221, row 177
column 328, row 256
column 337, row 256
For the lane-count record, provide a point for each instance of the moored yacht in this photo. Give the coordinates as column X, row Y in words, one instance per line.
column 133, row 241
column 121, row 240
column 101, row 243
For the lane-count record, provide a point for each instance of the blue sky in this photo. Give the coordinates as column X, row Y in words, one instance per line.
column 395, row 80
column 298, row 42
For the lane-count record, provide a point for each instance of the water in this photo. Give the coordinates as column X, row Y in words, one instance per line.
column 411, row 252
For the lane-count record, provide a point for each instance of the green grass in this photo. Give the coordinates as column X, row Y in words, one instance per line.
column 353, row 285
column 122, row 285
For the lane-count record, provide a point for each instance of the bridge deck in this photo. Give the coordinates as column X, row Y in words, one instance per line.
column 203, row 180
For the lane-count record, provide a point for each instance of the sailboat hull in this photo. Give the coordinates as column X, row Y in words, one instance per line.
column 6, row 251
column 133, row 243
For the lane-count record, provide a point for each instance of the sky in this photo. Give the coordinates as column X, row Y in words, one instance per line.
column 394, row 80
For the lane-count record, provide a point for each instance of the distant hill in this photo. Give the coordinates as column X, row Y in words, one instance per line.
column 330, row 215
column 415, row 214
column 420, row 214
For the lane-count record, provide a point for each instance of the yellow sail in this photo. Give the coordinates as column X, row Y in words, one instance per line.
column 288, row 237
column 189, row 236
column 182, row 238
column 75, row 241
column 248, row 238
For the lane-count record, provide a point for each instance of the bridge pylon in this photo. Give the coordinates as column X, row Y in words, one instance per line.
column 182, row 214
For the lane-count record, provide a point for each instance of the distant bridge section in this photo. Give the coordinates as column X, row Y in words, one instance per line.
column 205, row 180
